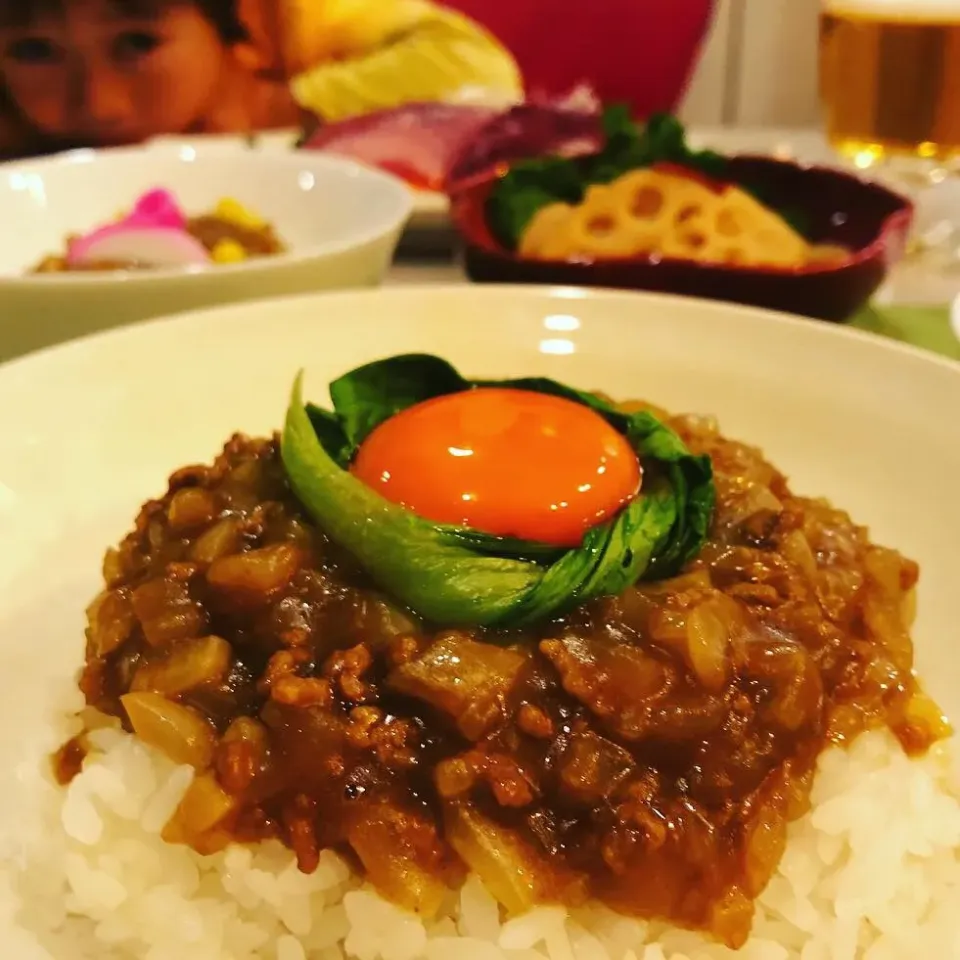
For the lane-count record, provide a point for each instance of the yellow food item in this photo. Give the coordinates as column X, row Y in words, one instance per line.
column 349, row 57
column 236, row 213
column 825, row 254
column 649, row 212
column 601, row 228
column 545, row 236
column 228, row 251
column 751, row 234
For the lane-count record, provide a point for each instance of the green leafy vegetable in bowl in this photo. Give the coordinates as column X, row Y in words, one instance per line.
column 530, row 185
column 460, row 576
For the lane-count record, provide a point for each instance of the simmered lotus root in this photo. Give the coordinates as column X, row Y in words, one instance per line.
column 650, row 211
column 642, row 212
column 665, row 203
column 747, row 232
column 545, row 236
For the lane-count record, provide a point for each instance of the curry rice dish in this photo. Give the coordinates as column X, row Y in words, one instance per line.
column 679, row 721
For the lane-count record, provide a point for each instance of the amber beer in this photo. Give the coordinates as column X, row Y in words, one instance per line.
column 890, row 77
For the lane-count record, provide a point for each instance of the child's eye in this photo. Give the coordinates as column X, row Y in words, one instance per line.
column 131, row 45
column 34, row 50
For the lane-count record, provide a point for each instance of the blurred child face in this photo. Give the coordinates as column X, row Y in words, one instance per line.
column 109, row 71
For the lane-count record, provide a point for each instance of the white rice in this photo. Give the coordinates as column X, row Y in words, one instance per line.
column 872, row 872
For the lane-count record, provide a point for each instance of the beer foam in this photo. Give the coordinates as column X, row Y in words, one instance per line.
column 936, row 11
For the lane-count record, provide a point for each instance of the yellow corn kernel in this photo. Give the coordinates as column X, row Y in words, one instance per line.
column 235, row 212
column 228, row 251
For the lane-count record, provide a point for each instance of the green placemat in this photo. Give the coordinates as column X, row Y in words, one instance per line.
column 927, row 327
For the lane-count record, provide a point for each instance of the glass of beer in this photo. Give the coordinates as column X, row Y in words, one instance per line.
column 890, row 88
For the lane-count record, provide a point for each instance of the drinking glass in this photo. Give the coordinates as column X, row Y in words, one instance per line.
column 890, row 92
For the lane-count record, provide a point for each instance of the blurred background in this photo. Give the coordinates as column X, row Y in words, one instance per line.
column 447, row 96
column 759, row 66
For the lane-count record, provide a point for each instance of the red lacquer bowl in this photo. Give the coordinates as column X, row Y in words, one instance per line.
column 837, row 208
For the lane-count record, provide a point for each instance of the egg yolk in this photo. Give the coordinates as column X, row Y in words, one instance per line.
column 512, row 463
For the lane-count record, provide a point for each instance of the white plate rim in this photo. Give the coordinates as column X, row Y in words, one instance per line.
column 531, row 292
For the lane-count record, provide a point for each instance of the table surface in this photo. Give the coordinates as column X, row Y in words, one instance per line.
column 909, row 284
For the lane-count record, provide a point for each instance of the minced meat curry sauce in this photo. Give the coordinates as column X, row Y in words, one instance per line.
column 646, row 749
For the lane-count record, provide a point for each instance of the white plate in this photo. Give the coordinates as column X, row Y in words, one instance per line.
column 93, row 428
column 431, row 210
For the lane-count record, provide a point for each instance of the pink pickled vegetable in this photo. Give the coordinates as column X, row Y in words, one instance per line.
column 157, row 208
column 153, row 233
column 154, row 246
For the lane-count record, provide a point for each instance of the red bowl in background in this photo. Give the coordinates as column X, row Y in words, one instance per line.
column 838, row 208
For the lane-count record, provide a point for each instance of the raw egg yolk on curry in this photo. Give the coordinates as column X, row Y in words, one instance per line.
column 508, row 462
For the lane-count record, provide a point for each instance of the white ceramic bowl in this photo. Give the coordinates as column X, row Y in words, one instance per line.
column 341, row 222
column 95, row 427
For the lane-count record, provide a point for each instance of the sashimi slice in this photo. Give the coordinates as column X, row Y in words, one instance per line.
column 418, row 140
